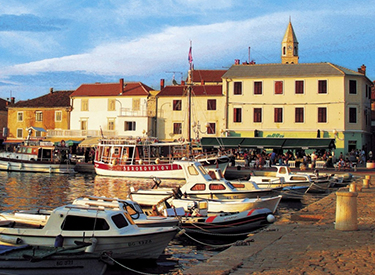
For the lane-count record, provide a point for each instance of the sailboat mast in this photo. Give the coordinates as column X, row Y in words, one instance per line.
column 189, row 86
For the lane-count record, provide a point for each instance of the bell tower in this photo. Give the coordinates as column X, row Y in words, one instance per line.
column 289, row 46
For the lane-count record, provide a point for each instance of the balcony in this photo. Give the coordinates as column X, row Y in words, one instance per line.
column 80, row 133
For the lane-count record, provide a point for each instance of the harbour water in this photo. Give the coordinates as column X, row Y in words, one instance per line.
column 22, row 191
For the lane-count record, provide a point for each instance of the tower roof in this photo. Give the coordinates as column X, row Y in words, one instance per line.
column 289, row 35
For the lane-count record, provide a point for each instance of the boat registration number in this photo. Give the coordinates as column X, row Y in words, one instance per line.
column 139, row 243
column 64, row 263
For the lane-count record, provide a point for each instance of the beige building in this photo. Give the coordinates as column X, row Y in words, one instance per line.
column 202, row 115
column 299, row 100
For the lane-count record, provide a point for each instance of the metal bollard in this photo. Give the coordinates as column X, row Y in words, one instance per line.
column 346, row 211
column 353, row 187
column 365, row 183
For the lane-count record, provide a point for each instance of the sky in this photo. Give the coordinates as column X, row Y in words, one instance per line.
column 62, row 44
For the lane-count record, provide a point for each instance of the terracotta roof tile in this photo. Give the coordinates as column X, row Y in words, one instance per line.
column 50, row 100
column 207, row 75
column 197, row 90
column 112, row 89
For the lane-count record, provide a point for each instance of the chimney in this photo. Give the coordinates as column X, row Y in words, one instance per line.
column 12, row 100
column 51, row 90
column 202, row 82
column 162, row 84
column 121, row 86
column 182, row 82
column 362, row 70
column 236, row 62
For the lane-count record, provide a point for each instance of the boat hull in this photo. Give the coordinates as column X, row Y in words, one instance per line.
column 35, row 166
column 240, row 223
column 132, row 246
column 18, row 262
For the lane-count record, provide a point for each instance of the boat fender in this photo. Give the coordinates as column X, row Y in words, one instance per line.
column 271, row 218
column 10, row 239
column 59, row 241
column 91, row 248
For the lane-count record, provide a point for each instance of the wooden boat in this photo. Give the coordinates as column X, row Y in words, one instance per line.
column 147, row 158
column 199, row 184
column 241, row 223
column 28, row 260
column 37, row 157
column 107, row 229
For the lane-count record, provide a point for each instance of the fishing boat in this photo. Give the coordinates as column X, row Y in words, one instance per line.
column 241, row 223
column 199, row 184
column 29, row 260
column 106, row 229
column 148, row 157
column 37, row 156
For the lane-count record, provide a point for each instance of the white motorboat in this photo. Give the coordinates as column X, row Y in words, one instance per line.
column 29, row 260
column 228, row 205
column 199, row 184
column 106, row 229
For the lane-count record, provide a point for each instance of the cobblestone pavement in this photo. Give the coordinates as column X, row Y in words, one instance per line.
column 305, row 242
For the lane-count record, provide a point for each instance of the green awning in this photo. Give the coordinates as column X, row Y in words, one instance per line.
column 269, row 143
column 230, row 142
column 263, row 142
column 309, row 143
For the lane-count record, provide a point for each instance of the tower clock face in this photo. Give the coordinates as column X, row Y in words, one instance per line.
column 290, row 47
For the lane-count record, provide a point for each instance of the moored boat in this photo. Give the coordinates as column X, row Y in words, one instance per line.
column 107, row 229
column 28, row 260
column 148, row 157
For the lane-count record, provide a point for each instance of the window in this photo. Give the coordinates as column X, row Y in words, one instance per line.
column 322, row 86
column 211, row 104
column 278, row 115
column 84, row 124
column 136, row 104
column 322, row 114
column 352, row 115
column 352, row 87
column 58, row 116
column 20, row 116
column 299, row 115
column 211, row 129
column 299, row 87
column 198, row 187
column 237, row 88
column 278, row 87
column 216, row 186
column 39, row 116
column 111, row 104
column 258, row 88
column 38, row 133
column 177, row 128
column 19, row 133
column 237, row 115
column 257, row 114
column 111, row 124
column 84, row 105
column 130, row 126
column 177, row 105
column 119, row 221
column 80, row 223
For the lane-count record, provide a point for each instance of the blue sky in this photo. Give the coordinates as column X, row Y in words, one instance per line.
column 63, row 44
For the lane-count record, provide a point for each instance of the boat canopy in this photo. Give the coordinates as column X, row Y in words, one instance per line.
column 269, row 143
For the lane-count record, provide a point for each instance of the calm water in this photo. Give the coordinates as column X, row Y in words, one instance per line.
column 21, row 191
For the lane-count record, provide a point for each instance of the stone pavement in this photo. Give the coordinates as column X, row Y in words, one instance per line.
column 305, row 242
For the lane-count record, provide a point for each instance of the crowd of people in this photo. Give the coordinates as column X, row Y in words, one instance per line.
column 259, row 158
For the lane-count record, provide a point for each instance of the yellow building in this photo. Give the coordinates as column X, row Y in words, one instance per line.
column 49, row 112
column 299, row 100
column 202, row 116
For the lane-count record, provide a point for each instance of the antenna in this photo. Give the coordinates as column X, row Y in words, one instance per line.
column 174, row 74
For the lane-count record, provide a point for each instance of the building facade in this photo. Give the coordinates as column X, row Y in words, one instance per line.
column 111, row 110
column 292, row 99
column 50, row 112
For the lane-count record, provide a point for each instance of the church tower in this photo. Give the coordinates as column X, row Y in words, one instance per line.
column 289, row 46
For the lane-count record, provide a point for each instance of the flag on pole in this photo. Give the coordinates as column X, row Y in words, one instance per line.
column 190, row 56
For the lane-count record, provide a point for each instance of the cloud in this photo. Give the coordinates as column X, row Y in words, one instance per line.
column 29, row 23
